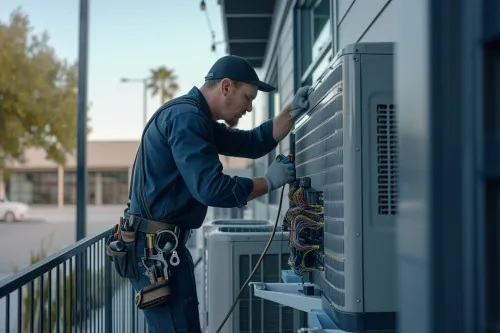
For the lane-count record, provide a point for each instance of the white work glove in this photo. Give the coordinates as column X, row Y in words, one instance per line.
column 300, row 102
column 279, row 173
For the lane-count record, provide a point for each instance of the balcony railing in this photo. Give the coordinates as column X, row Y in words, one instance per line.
column 74, row 290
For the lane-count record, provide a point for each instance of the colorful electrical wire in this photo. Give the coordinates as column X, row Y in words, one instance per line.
column 305, row 221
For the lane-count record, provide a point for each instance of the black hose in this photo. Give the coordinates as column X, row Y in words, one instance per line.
column 257, row 265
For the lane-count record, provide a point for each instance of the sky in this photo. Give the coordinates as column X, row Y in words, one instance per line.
column 127, row 38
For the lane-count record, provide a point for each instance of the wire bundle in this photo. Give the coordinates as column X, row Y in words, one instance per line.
column 305, row 221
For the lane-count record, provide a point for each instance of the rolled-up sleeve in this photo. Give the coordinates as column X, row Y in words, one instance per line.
column 253, row 143
column 189, row 136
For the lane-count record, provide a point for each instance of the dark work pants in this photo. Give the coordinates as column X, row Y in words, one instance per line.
column 180, row 314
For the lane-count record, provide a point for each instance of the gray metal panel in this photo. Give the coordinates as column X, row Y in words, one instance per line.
column 384, row 28
column 353, row 184
column 285, row 76
column 285, row 62
column 441, row 225
column 281, row 11
column 380, row 192
column 343, row 7
column 358, row 20
column 367, row 48
column 415, row 254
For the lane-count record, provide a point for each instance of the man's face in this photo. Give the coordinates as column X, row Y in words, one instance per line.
column 237, row 101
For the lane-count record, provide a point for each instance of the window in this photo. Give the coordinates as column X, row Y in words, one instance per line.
column 314, row 46
column 33, row 187
column 70, row 187
column 321, row 29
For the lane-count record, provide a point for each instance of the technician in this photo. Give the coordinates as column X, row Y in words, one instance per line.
column 177, row 173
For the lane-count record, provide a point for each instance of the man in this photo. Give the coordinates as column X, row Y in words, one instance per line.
column 178, row 174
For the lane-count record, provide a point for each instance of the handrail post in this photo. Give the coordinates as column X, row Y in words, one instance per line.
column 108, row 297
column 132, row 310
column 77, row 318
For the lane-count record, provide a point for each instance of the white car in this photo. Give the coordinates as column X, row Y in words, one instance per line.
column 11, row 211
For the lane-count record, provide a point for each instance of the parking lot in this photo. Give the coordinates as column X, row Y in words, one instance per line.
column 53, row 227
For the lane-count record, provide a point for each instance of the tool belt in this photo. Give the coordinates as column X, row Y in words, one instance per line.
column 161, row 242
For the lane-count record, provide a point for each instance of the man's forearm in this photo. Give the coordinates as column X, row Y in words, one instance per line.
column 282, row 123
column 260, row 188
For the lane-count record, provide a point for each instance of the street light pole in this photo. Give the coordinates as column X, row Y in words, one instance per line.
column 145, row 103
column 81, row 168
column 144, row 97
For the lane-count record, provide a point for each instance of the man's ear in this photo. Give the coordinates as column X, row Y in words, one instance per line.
column 225, row 86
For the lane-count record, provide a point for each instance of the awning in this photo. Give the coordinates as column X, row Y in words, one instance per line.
column 247, row 25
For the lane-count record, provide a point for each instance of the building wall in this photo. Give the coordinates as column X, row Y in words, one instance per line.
column 59, row 186
column 296, row 59
column 366, row 21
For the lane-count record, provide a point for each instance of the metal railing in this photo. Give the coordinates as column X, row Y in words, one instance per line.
column 73, row 290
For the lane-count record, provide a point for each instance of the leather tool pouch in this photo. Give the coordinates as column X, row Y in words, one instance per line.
column 153, row 295
column 121, row 252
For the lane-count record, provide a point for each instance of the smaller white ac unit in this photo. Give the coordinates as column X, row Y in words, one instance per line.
column 213, row 224
column 232, row 255
column 201, row 241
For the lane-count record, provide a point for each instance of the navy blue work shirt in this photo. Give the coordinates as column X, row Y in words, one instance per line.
column 183, row 172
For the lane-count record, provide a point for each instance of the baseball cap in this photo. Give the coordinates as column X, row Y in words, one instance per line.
column 237, row 69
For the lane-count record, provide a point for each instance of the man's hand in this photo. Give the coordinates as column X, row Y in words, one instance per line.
column 283, row 122
column 300, row 102
column 279, row 173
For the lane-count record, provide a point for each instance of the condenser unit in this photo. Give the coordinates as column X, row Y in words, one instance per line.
column 346, row 146
column 233, row 252
column 202, row 244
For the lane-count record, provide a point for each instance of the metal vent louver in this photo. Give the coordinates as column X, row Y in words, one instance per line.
column 240, row 222
column 256, row 314
column 247, row 229
column 387, row 149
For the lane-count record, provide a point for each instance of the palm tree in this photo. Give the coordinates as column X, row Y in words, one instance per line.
column 163, row 81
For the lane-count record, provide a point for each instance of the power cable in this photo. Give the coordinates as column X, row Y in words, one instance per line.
column 256, row 265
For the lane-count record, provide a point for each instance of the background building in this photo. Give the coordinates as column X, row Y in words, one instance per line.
column 39, row 181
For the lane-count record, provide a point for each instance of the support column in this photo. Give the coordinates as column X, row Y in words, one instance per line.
column 98, row 188
column 2, row 186
column 60, row 186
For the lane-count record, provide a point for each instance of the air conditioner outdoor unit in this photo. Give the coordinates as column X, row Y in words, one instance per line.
column 347, row 145
column 232, row 255
column 201, row 241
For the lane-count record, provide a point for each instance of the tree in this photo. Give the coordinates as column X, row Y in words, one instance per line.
column 38, row 94
column 163, row 81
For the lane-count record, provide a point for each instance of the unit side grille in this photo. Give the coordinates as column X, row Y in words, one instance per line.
column 257, row 314
column 319, row 155
column 242, row 222
column 387, row 154
column 247, row 229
